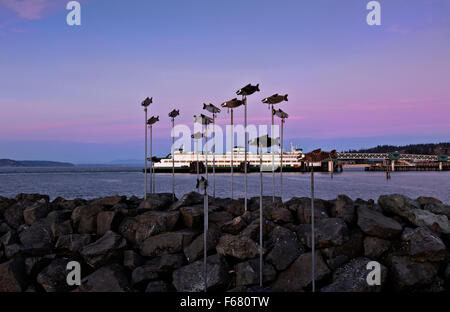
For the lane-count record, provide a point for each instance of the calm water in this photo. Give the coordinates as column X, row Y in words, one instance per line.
column 90, row 182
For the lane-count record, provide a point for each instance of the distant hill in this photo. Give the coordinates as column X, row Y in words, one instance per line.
column 424, row 149
column 33, row 163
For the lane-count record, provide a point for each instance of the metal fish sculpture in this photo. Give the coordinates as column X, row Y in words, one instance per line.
column 279, row 113
column 152, row 120
column 203, row 119
column 147, row 102
column 232, row 103
column 211, row 108
column 275, row 99
column 248, row 90
column 197, row 135
column 318, row 155
column 174, row 113
column 202, row 184
column 264, row 141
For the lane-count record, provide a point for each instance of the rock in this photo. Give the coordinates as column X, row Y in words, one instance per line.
column 234, row 206
column 54, row 277
column 189, row 199
column 13, row 250
column 9, row 238
column 352, row 277
column 407, row 275
column 12, row 276
column 64, row 228
column 397, row 204
column 195, row 250
column 165, row 243
column 343, row 208
column 37, row 239
column 253, row 203
column 110, row 201
column 141, row 227
column 337, row 262
column 35, row 212
column 299, row 276
column 219, row 218
column 329, row 232
column 189, row 278
column 278, row 214
column 159, row 201
column 436, row 223
column 31, row 197
column 234, row 226
column 158, row 287
column 302, row 207
column 14, row 215
column 286, row 248
column 104, row 249
column 192, row 216
column 4, row 228
column 438, row 208
column 423, row 245
column 63, row 204
column 74, row 242
column 166, row 263
column 423, row 200
column 34, row 265
column 374, row 223
column 132, row 260
column 247, row 273
column 143, row 273
column 84, row 218
column 252, row 230
column 447, row 273
column 111, row 278
column 105, row 221
column 375, row 247
column 238, row 246
column 352, row 248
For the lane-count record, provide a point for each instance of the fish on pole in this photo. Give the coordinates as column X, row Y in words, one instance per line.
column 315, row 156
column 279, row 113
column 231, row 104
column 150, row 123
column 146, row 103
column 213, row 110
column 246, row 91
column 173, row 114
column 202, row 184
column 272, row 100
column 197, row 136
column 260, row 142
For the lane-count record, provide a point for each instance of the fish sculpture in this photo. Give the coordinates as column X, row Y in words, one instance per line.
column 264, row 141
column 318, row 156
column 197, row 135
column 232, row 103
column 152, row 120
column 275, row 99
column 203, row 119
column 202, row 184
column 211, row 108
column 248, row 90
column 279, row 113
column 174, row 113
column 147, row 102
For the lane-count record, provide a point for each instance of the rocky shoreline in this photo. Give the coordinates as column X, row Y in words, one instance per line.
column 131, row 245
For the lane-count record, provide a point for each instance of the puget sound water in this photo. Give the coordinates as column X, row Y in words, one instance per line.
column 91, row 182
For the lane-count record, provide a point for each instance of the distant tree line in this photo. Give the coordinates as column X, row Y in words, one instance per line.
column 424, row 149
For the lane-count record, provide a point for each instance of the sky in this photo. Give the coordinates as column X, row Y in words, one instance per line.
column 73, row 93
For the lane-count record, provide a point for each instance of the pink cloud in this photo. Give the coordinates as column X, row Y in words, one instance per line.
column 27, row 9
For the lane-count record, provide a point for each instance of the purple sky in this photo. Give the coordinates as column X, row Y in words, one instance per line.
column 73, row 93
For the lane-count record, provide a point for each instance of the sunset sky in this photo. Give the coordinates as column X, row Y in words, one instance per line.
column 74, row 93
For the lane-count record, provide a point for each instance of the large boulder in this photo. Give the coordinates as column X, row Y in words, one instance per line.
column 247, row 273
column 139, row 228
column 438, row 208
column 37, row 211
column 108, row 247
column 375, row 247
column 14, row 215
column 285, row 248
column 328, row 232
column 218, row 218
column 436, row 223
column 143, row 273
column 165, row 243
column 105, row 221
column 38, row 238
column 267, row 201
column 397, row 204
column 352, row 248
column 343, row 208
column 374, row 223
column 189, row 278
column 166, row 263
column 110, row 201
column 157, row 287
column 132, row 259
column 159, row 201
column 298, row 276
column 189, row 199
column 84, row 218
column 424, row 200
column 73, row 242
column 111, row 278
column 409, row 275
column 302, row 208
column 234, row 226
column 352, row 277
column 195, row 250
column 423, row 245
column 54, row 277
column 12, row 276
column 192, row 216
column 60, row 203
column 238, row 246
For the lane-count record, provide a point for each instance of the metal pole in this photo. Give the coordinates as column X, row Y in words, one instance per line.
column 206, row 150
column 173, row 159
column 145, row 171
column 196, row 151
column 232, row 152
column 214, row 155
column 244, row 98
column 151, row 162
column 205, row 232
column 154, row 178
column 273, row 159
column 313, row 247
column 281, row 160
column 260, row 218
